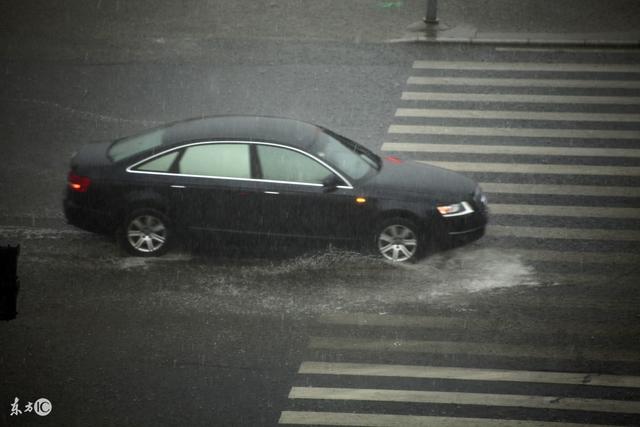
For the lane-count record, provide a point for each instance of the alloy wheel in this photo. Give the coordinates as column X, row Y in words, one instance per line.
column 397, row 243
column 146, row 233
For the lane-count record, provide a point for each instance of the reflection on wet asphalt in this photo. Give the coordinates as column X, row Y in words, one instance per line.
column 287, row 280
column 273, row 323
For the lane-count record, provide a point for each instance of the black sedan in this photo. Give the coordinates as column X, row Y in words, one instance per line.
column 269, row 177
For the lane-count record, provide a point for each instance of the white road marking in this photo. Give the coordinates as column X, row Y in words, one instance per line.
column 31, row 232
column 405, row 321
column 87, row 115
column 495, row 349
column 582, row 279
column 455, row 398
column 528, row 150
column 526, row 168
column 490, row 349
column 468, row 374
column 460, row 323
column 468, row 81
column 564, row 233
column 565, row 49
column 516, row 115
column 579, row 257
column 515, row 132
column 565, row 211
column 518, row 98
column 574, row 190
column 527, row 66
column 385, row 420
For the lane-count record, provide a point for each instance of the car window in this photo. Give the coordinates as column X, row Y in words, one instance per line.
column 281, row 164
column 128, row 147
column 223, row 160
column 356, row 164
column 159, row 164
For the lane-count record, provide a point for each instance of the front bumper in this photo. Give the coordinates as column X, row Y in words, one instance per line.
column 466, row 224
column 466, row 228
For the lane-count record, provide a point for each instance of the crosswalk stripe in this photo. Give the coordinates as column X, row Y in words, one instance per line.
column 386, row 420
column 565, row 211
column 518, row 98
column 564, row 233
column 405, row 321
column 568, row 190
column 456, row 398
column 586, row 303
column 457, row 324
column 607, row 279
column 515, row 115
column 467, row 374
column 574, row 83
column 578, row 257
column 510, row 149
column 388, row 342
column 565, row 49
column 526, row 66
column 515, row 132
column 526, row 168
column 467, row 348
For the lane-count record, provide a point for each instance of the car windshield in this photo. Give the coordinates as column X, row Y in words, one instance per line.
column 344, row 154
column 131, row 146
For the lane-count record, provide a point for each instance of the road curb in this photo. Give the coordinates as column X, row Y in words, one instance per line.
column 523, row 41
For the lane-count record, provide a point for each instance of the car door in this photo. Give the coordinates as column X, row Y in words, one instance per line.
column 155, row 180
column 214, row 189
column 294, row 200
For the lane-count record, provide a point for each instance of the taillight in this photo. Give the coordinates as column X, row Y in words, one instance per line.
column 78, row 183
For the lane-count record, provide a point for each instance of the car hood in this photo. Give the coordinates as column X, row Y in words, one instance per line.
column 408, row 177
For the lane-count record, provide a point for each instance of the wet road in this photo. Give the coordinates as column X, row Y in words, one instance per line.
column 537, row 321
column 198, row 337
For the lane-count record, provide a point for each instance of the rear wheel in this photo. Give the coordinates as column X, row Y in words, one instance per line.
column 399, row 240
column 145, row 232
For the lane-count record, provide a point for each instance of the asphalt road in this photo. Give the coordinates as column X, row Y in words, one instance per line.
column 537, row 321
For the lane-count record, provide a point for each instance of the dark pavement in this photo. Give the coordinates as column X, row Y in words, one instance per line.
column 202, row 337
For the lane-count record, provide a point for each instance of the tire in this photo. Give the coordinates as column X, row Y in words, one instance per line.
column 145, row 232
column 399, row 240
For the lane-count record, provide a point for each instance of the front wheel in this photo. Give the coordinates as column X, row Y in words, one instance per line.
column 399, row 240
column 145, row 232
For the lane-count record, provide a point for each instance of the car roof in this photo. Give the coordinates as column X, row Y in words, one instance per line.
column 242, row 128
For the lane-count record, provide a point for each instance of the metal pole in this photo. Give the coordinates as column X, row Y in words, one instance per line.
column 432, row 12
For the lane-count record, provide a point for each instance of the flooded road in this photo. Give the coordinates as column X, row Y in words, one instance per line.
column 242, row 337
column 259, row 282
column 297, row 281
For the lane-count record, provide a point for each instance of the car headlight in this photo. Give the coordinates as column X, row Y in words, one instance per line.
column 457, row 209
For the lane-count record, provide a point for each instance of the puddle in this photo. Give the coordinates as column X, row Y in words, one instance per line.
column 345, row 281
column 137, row 263
column 319, row 282
column 469, row 270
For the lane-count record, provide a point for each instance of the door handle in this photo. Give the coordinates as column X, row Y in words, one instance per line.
column 271, row 192
column 178, row 186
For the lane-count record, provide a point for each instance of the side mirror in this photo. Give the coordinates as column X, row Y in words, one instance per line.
column 330, row 183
